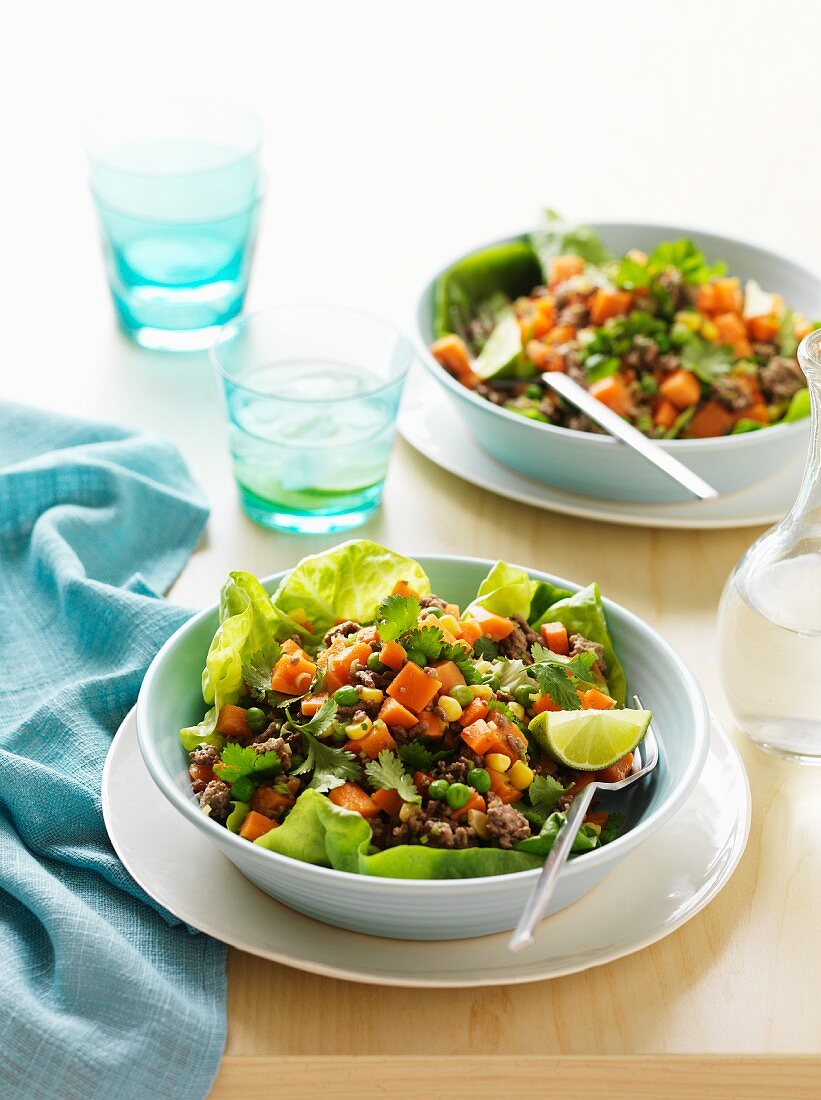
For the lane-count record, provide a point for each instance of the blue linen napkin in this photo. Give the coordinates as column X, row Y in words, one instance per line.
column 102, row 993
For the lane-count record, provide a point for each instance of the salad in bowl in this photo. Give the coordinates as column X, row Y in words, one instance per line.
column 690, row 336
column 411, row 725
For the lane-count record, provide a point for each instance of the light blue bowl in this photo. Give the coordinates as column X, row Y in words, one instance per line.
column 598, row 466
column 442, row 909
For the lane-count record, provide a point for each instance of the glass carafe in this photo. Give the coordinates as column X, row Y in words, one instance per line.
column 769, row 624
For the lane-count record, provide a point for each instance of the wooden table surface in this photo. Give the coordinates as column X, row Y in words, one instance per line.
column 395, row 137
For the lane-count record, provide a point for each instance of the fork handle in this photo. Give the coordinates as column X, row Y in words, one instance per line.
column 543, row 890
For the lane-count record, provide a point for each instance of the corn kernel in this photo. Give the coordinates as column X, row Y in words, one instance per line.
column 478, row 821
column 691, row 319
column 518, row 710
column 497, row 761
column 709, row 330
column 371, row 695
column 357, row 730
column 409, row 809
column 450, row 709
column 520, row 776
column 449, row 623
column 481, row 691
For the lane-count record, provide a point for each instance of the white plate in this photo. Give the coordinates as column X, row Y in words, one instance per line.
column 652, row 892
column 431, row 424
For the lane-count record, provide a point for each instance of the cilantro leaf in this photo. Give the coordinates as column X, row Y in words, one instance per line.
column 257, row 669
column 485, row 649
column 452, row 651
column 580, row 666
column 544, row 793
column 321, row 721
column 553, row 681
column 397, row 615
column 612, row 828
column 706, row 360
column 681, row 255
column 386, row 773
column 240, row 763
column 415, row 756
column 427, row 640
column 331, row 766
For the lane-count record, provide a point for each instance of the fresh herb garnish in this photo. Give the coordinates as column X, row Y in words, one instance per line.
column 485, row 650
column 580, row 666
column 388, row 774
column 427, row 640
column 681, row 255
column 544, row 794
column 257, row 669
column 397, row 615
column 706, row 360
column 331, row 766
column 553, row 681
column 240, row 763
column 612, row 828
column 417, row 758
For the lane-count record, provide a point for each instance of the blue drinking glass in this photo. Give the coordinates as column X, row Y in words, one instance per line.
column 178, row 191
column 312, row 394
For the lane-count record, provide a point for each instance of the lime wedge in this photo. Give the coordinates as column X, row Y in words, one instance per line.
column 589, row 740
column 498, row 357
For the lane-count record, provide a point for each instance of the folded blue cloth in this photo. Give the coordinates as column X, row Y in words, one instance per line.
column 102, row 993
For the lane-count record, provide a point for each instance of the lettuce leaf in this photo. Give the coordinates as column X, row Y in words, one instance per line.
column 506, row 590
column 316, row 831
column 247, row 624
column 583, row 613
column 799, row 406
column 557, row 237
column 346, row 582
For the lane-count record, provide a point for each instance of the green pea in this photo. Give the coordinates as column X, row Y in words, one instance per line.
column 533, row 391
column 479, row 779
column 524, row 695
column 457, row 796
column 375, row 665
column 492, row 681
column 437, row 612
column 462, row 694
column 346, row 696
column 438, row 789
column 242, row 789
column 256, row 719
column 417, row 657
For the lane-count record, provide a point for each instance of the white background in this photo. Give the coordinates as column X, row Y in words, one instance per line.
column 395, row 135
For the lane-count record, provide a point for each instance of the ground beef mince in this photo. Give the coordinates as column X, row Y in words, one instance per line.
column 215, row 800
column 781, row 378
column 433, row 601
column 277, row 745
column 505, row 824
column 516, row 646
column 341, row 630
column 580, row 644
column 732, row 393
column 204, row 754
column 764, row 351
column 435, row 823
column 364, row 677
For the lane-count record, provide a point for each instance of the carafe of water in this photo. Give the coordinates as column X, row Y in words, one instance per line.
column 769, row 625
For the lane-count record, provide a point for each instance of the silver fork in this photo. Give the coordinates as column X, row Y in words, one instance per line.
column 543, row 890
